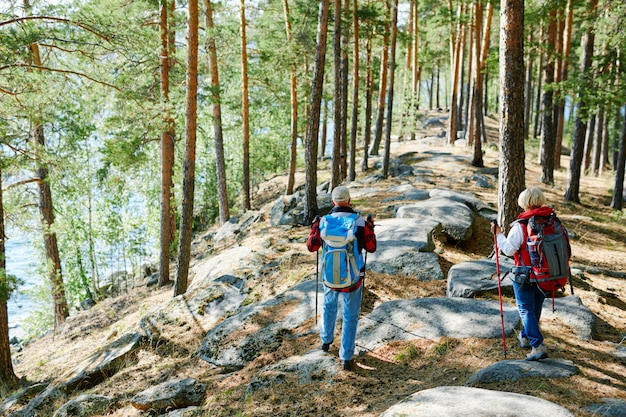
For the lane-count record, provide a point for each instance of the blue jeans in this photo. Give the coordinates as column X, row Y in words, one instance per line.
column 529, row 300
column 351, row 307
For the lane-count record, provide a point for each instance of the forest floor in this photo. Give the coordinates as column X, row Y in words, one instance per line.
column 383, row 377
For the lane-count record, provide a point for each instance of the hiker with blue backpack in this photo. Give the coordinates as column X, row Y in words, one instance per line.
column 540, row 249
column 342, row 235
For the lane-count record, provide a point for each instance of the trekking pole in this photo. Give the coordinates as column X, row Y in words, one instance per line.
column 495, row 243
column 317, row 274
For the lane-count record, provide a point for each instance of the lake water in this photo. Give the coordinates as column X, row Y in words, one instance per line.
column 20, row 261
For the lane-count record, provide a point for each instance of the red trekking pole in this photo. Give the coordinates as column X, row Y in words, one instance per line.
column 495, row 243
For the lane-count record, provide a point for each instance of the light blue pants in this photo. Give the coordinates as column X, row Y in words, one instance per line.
column 351, row 306
column 529, row 300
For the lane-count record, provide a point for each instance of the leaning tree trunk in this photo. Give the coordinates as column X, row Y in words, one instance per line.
column 511, row 172
column 310, row 192
column 189, row 171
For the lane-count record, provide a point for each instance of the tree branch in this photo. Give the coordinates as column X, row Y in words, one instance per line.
column 56, row 19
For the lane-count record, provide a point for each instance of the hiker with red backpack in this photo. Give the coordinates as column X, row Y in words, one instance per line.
column 540, row 247
column 342, row 235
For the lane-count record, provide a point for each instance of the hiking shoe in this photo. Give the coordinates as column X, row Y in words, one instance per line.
column 325, row 347
column 523, row 341
column 537, row 353
column 347, row 365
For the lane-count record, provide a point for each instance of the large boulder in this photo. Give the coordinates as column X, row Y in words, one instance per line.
column 432, row 318
column 464, row 401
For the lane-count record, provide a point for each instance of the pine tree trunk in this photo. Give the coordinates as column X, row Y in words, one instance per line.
column 189, row 170
column 7, row 375
column 567, row 46
column 167, row 154
column 310, row 208
column 355, row 92
column 293, row 155
column 393, row 5
column 548, row 137
column 216, row 100
column 335, row 179
column 369, row 92
column 620, row 166
column 511, row 171
column 578, row 137
column 46, row 209
column 382, row 93
column 245, row 111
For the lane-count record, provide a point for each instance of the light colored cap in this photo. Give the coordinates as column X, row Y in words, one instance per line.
column 341, row 194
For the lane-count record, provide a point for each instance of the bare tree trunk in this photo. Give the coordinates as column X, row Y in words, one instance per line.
column 7, row 375
column 46, row 209
column 393, row 5
column 456, row 65
column 589, row 134
column 168, row 224
column 567, row 46
column 344, row 98
column 369, row 87
column 578, row 137
column 355, row 92
column 511, row 172
column 189, row 171
column 529, row 90
column 620, row 166
column 382, row 93
column 537, row 129
column 604, row 152
column 597, row 136
column 310, row 208
column 548, row 137
column 220, row 160
column 245, row 110
column 335, row 179
column 293, row 156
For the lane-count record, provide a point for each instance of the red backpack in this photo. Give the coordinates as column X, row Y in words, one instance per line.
column 550, row 251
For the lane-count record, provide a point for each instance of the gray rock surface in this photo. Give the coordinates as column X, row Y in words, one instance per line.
column 257, row 327
column 398, row 236
column 465, row 401
column 431, row 318
column 609, row 407
column 573, row 312
column 456, row 218
column 102, row 363
column 177, row 393
column 424, row 266
column 86, row 405
column 315, row 366
column 512, row 370
column 467, row 278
